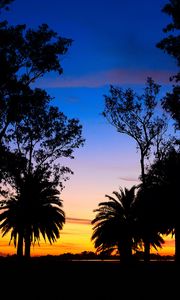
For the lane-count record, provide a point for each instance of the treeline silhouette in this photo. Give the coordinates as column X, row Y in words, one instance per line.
column 34, row 135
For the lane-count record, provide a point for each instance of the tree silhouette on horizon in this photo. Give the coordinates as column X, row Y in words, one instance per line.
column 35, row 211
column 118, row 225
column 34, row 134
column 135, row 115
column 114, row 224
column 163, row 179
column 171, row 45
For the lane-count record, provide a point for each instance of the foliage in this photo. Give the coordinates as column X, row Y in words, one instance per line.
column 135, row 115
column 114, row 224
column 163, row 179
column 171, row 45
column 35, row 210
column 4, row 4
column 34, row 135
column 119, row 224
column 25, row 56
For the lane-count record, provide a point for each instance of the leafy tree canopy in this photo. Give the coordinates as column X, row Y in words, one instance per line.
column 135, row 115
column 5, row 4
column 171, row 45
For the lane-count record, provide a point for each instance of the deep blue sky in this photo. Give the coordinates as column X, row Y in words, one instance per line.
column 114, row 42
column 107, row 34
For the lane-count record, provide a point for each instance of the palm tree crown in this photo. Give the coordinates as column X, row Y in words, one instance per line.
column 35, row 210
column 114, row 223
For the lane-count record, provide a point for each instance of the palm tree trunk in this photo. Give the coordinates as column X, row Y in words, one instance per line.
column 146, row 250
column 177, row 244
column 27, row 248
column 20, row 245
column 27, row 245
column 125, row 251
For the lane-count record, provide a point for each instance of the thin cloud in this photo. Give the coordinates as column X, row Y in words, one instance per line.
column 103, row 78
column 78, row 221
column 129, row 179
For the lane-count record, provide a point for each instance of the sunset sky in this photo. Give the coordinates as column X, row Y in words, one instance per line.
column 114, row 42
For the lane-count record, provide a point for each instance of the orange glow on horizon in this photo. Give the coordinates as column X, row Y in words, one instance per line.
column 168, row 248
column 75, row 238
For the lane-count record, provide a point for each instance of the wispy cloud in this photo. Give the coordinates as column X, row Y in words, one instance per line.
column 103, row 78
column 78, row 221
column 129, row 179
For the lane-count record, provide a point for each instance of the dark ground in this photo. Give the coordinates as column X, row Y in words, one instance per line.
column 52, row 278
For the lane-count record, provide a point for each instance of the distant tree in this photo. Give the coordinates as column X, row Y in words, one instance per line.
column 136, row 116
column 171, row 45
column 114, row 224
column 35, row 210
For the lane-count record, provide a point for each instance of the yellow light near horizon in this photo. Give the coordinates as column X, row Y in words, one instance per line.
column 168, row 248
column 75, row 238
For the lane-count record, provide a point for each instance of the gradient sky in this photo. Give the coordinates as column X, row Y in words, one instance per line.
column 113, row 43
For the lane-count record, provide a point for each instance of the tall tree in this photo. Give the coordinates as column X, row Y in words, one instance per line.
column 136, row 116
column 25, row 56
column 163, row 180
column 41, row 139
column 171, row 45
column 33, row 134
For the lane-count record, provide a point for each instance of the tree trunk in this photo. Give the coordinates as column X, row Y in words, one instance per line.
column 27, row 245
column 125, row 250
column 20, row 245
column 146, row 240
column 177, row 244
column 142, row 170
column 146, row 250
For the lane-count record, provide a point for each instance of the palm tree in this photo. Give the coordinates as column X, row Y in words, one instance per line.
column 36, row 210
column 114, row 224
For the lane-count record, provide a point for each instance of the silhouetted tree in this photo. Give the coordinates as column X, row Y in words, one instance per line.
column 118, row 225
column 150, row 210
column 35, row 210
column 4, row 4
column 114, row 224
column 40, row 139
column 33, row 134
column 136, row 116
column 171, row 45
column 25, row 56
column 163, row 180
